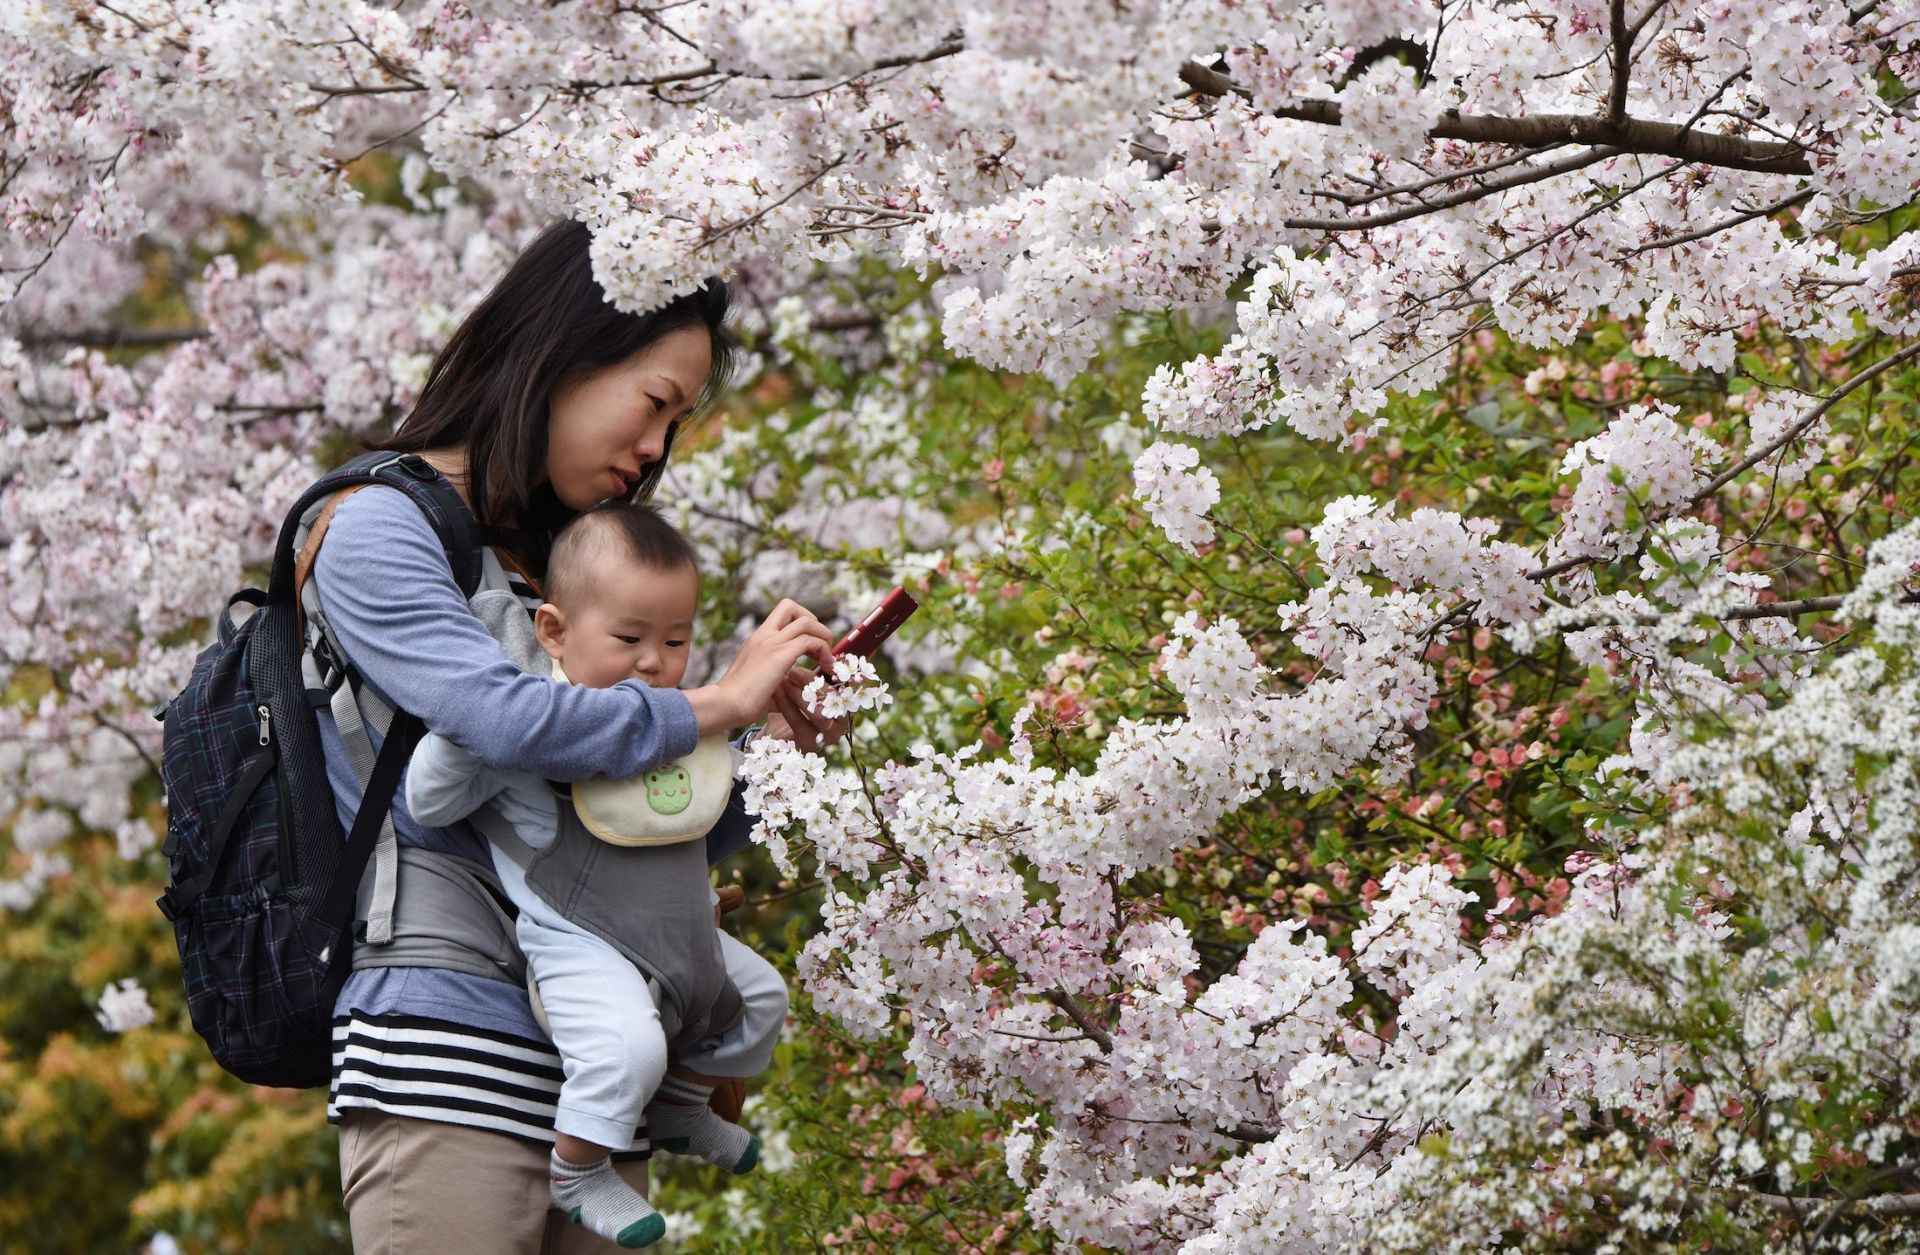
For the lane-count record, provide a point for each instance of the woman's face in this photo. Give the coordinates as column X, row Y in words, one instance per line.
column 604, row 425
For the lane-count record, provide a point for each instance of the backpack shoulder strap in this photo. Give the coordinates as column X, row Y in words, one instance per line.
column 299, row 547
column 310, row 553
column 452, row 522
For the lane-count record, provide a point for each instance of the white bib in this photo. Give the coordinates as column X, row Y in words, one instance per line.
column 677, row 801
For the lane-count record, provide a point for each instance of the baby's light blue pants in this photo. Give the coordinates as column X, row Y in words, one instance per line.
column 606, row 1024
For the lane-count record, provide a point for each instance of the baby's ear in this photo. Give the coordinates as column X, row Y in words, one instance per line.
column 550, row 629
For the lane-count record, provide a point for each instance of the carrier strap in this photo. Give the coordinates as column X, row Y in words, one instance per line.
column 310, row 553
column 491, row 824
column 356, row 708
column 454, row 917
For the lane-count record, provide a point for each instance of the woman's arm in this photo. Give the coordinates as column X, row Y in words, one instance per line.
column 393, row 606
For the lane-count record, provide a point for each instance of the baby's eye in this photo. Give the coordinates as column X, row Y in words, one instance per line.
column 676, row 644
column 628, row 640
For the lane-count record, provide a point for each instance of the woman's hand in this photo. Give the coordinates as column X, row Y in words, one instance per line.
column 762, row 669
column 792, row 721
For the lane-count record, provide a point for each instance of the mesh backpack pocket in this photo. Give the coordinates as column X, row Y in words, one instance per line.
column 262, row 875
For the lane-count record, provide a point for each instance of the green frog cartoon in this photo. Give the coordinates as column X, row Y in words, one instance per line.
column 669, row 790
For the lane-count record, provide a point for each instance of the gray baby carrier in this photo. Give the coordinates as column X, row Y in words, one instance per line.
column 653, row 904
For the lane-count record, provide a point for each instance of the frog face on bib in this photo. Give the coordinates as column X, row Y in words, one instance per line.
column 669, row 790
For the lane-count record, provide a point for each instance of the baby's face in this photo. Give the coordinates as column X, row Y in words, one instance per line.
column 638, row 627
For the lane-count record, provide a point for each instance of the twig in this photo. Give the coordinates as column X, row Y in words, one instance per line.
column 1714, row 228
column 1532, row 174
column 1753, row 459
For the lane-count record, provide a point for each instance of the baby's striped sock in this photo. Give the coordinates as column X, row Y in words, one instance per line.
column 679, row 1120
column 594, row 1195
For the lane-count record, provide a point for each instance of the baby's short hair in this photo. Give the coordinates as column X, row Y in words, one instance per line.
column 627, row 529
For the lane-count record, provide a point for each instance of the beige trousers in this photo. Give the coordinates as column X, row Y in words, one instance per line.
column 419, row 1187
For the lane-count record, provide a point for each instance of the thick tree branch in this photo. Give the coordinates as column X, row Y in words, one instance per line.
column 1078, row 1014
column 1633, row 135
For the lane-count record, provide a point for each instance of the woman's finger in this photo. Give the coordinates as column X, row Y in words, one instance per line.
column 799, row 720
column 832, row 730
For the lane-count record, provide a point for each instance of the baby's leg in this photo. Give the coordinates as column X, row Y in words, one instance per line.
column 747, row 1048
column 679, row 1118
column 614, row 1055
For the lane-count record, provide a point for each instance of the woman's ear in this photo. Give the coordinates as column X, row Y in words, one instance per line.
column 550, row 629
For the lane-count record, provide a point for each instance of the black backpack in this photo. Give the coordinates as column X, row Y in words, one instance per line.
column 262, row 879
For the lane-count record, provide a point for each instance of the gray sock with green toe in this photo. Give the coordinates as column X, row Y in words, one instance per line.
column 679, row 1120
column 594, row 1195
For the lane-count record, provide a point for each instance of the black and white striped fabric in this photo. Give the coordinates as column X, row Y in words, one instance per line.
column 430, row 1069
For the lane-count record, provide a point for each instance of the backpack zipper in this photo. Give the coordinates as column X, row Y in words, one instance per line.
column 266, row 725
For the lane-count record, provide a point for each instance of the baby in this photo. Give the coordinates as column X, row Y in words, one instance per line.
column 630, row 962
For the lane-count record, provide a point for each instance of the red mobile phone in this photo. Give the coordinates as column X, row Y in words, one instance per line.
column 879, row 624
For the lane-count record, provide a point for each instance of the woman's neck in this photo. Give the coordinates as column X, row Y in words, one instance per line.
column 453, row 464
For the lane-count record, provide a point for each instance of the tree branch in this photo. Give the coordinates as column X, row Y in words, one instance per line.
column 1531, row 174
column 1449, row 176
column 1634, row 135
column 1798, row 429
column 1622, row 61
column 1783, row 609
column 1807, row 420
column 1078, row 1014
column 355, row 89
column 113, row 337
column 1714, row 228
column 1881, row 1206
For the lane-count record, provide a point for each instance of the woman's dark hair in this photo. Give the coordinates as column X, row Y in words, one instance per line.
column 487, row 391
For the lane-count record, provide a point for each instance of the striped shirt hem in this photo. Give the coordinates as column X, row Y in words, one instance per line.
column 428, row 1069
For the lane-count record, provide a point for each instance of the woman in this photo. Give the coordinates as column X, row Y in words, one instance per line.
column 545, row 401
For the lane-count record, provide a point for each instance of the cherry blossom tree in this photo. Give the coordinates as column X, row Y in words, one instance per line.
column 1361, row 193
